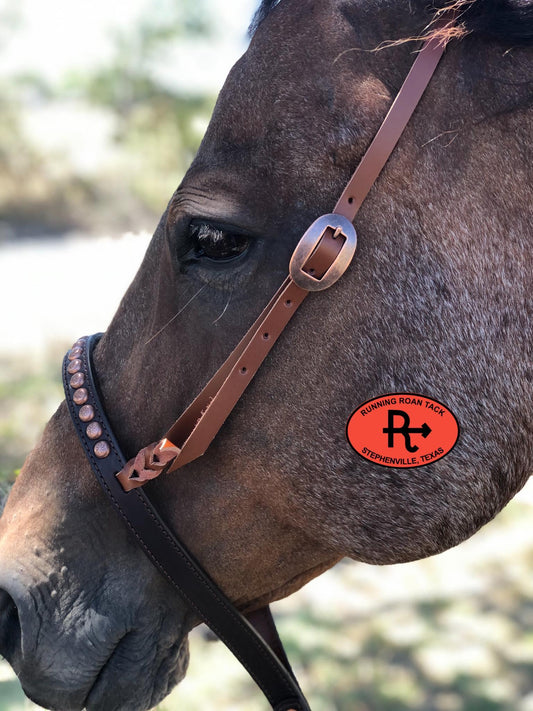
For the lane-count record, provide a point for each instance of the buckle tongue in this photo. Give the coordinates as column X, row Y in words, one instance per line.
column 341, row 228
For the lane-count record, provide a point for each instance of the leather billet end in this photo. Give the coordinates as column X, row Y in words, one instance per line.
column 148, row 464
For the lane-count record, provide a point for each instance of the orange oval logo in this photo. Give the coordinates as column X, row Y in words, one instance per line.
column 402, row 430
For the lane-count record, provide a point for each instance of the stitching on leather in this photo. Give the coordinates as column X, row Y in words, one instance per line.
column 101, row 477
column 220, row 600
column 96, row 467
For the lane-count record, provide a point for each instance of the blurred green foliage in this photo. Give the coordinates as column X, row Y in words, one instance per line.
column 17, row 158
column 157, row 125
column 30, row 193
column 157, row 129
column 130, row 79
column 28, row 397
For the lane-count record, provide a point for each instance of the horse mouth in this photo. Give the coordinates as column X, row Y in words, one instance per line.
column 95, row 688
column 116, row 686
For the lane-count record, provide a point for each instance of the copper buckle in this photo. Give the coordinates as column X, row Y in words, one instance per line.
column 342, row 228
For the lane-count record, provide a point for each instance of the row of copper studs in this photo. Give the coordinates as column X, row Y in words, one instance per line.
column 80, row 397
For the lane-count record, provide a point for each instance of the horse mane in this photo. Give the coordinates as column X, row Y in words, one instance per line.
column 507, row 20
column 260, row 14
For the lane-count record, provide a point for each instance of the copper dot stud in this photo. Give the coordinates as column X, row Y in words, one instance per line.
column 77, row 380
column 79, row 343
column 75, row 352
column 101, row 449
column 86, row 413
column 74, row 366
column 81, row 396
column 94, row 430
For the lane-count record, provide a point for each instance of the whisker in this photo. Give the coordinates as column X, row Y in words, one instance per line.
column 193, row 297
column 223, row 310
column 444, row 133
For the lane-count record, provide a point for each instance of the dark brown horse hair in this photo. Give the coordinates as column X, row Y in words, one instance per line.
column 505, row 20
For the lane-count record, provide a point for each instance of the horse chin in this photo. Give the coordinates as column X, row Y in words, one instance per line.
column 127, row 684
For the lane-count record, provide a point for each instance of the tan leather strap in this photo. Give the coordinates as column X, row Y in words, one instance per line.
column 320, row 258
column 394, row 123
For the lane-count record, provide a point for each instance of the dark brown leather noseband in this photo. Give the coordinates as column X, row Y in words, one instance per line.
column 321, row 257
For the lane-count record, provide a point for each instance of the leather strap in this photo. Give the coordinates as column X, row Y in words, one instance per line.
column 395, row 121
column 166, row 551
column 329, row 245
column 320, row 258
column 263, row 622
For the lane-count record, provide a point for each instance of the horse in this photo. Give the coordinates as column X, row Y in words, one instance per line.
column 437, row 301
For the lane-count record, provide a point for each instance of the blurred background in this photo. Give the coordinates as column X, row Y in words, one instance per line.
column 102, row 107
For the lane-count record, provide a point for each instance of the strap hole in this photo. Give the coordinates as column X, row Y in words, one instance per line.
column 311, row 271
column 244, row 370
column 266, row 336
column 350, row 200
column 288, row 302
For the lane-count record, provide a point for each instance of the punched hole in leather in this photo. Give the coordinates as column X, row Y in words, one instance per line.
column 199, row 424
column 322, row 248
column 300, row 281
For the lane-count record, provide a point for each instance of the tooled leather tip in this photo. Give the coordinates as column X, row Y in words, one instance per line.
column 148, row 464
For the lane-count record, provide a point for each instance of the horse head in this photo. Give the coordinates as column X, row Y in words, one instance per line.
column 437, row 301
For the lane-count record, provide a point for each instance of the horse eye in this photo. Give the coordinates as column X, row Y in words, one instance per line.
column 216, row 243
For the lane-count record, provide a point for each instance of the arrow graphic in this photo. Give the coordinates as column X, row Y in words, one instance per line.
column 424, row 430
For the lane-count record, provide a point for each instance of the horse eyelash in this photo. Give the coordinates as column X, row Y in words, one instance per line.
column 214, row 236
column 203, row 229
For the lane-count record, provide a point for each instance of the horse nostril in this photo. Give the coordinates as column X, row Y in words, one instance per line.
column 9, row 626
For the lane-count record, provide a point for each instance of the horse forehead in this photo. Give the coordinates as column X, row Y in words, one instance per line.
column 289, row 51
column 286, row 101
